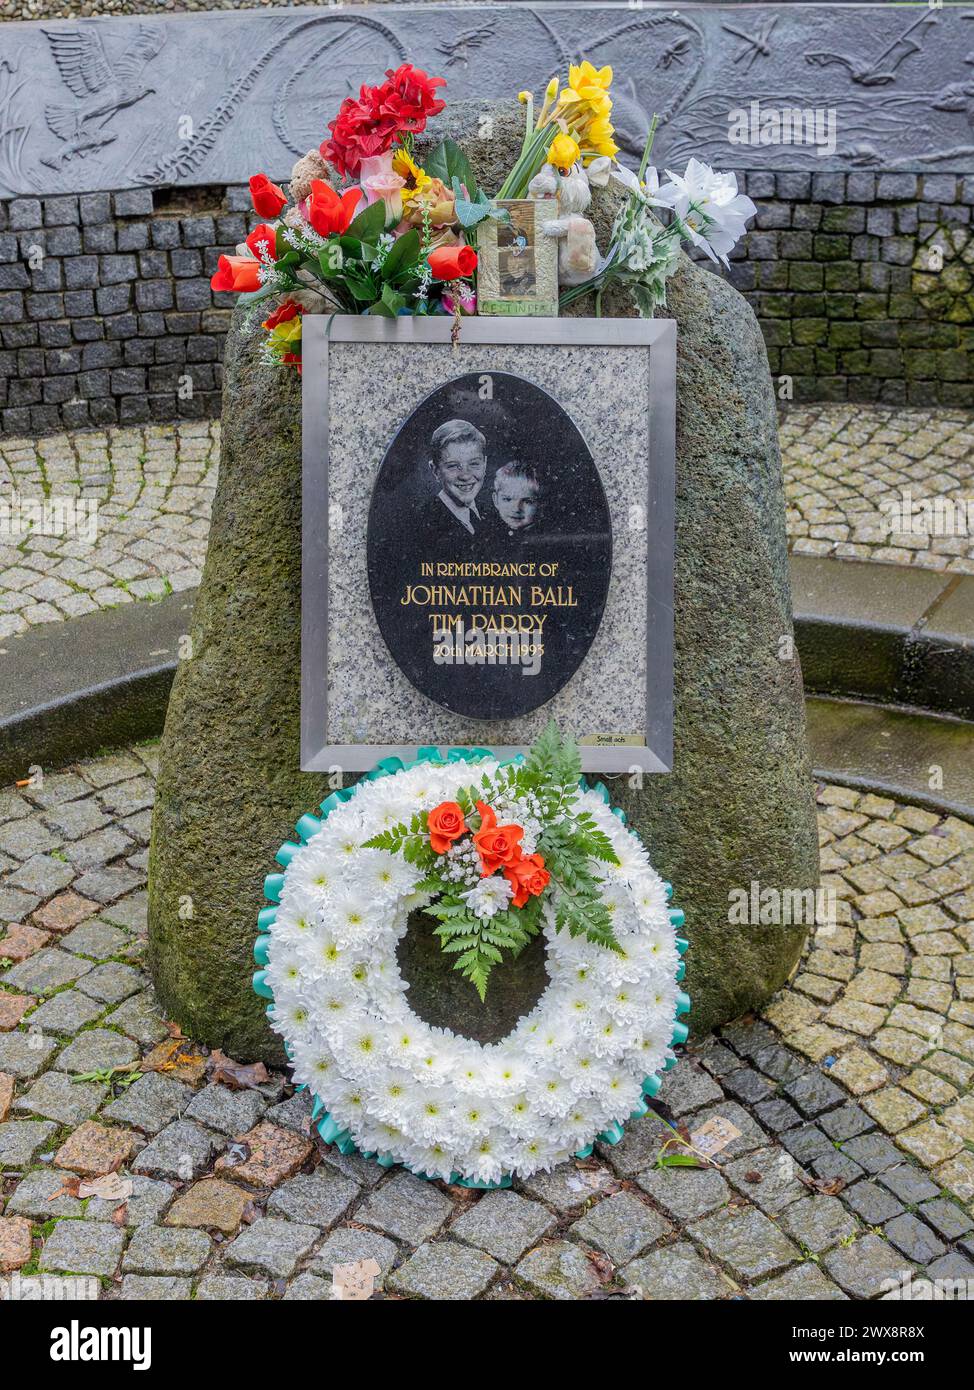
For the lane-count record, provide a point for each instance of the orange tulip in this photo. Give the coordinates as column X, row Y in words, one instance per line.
column 327, row 212
column 263, row 233
column 241, row 274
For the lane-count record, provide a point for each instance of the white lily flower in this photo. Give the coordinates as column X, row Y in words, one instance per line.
column 710, row 207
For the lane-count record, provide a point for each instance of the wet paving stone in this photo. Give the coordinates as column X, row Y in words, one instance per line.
column 22, row 1140
column 165, row 1250
column 348, row 1245
column 867, row 1268
column 82, row 1247
column 768, row 1178
column 271, row 1247
column 229, row 1112
column 914, row 1238
column 112, row 982
column 802, row 1283
column 874, row 1204
column 444, row 1270
column 406, row 1209
column 560, row 1271
column 676, row 1273
column 817, row 1223
column 318, row 1199
column 97, row 1049
column 54, row 1096
column 685, row 1193
column 566, row 1188
column 150, row 1103
column 621, row 1226
column 744, row 1241
column 505, row 1224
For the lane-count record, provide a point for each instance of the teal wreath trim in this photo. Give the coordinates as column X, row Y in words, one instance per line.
column 308, row 825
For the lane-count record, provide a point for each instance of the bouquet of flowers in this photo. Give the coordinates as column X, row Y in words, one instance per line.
column 365, row 228
column 512, row 852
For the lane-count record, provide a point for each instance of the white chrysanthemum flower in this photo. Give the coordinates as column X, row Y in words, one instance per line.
column 491, row 895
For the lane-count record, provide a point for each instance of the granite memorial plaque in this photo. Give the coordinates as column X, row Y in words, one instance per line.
column 487, row 537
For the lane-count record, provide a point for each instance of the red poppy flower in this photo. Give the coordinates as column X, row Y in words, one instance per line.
column 239, row 274
column 409, row 95
column 267, row 198
column 327, row 211
column 452, row 262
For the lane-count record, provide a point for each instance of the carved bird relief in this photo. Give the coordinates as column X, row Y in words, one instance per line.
column 102, row 87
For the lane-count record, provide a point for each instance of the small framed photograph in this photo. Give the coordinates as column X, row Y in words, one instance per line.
column 518, row 270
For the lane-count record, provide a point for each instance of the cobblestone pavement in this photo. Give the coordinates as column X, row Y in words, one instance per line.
column 841, row 461
column 853, row 1165
column 153, row 486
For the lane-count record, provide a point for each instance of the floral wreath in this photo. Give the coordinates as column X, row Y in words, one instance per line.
column 495, row 853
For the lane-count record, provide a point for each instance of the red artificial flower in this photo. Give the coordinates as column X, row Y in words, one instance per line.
column 528, row 877
column 357, row 133
column 327, row 211
column 241, row 274
column 266, row 234
column 445, row 824
column 267, row 198
column 452, row 262
column 409, row 95
column 367, row 125
column 282, row 314
column 497, row 845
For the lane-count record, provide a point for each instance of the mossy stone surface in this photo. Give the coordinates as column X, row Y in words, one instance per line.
column 738, row 806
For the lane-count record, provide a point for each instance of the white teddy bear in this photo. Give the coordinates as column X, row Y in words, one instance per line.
column 578, row 254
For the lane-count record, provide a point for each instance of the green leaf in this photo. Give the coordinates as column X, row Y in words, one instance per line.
column 447, row 162
column 370, row 224
column 403, row 253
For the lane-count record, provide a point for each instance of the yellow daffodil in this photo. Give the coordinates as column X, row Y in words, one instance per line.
column 563, row 152
column 416, row 178
column 585, row 77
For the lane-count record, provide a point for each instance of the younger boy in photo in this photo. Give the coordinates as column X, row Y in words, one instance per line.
column 516, row 498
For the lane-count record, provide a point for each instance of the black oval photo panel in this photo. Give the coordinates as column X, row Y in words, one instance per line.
column 489, row 547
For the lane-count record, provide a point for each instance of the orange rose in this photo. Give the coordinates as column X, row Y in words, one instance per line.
column 241, row 274
column 445, row 824
column 452, row 262
column 497, row 845
column 528, row 877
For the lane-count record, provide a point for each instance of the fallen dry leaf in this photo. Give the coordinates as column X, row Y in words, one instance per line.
column 70, row 1189
column 602, row 1265
column 237, row 1075
column 120, row 1214
column 753, row 1176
